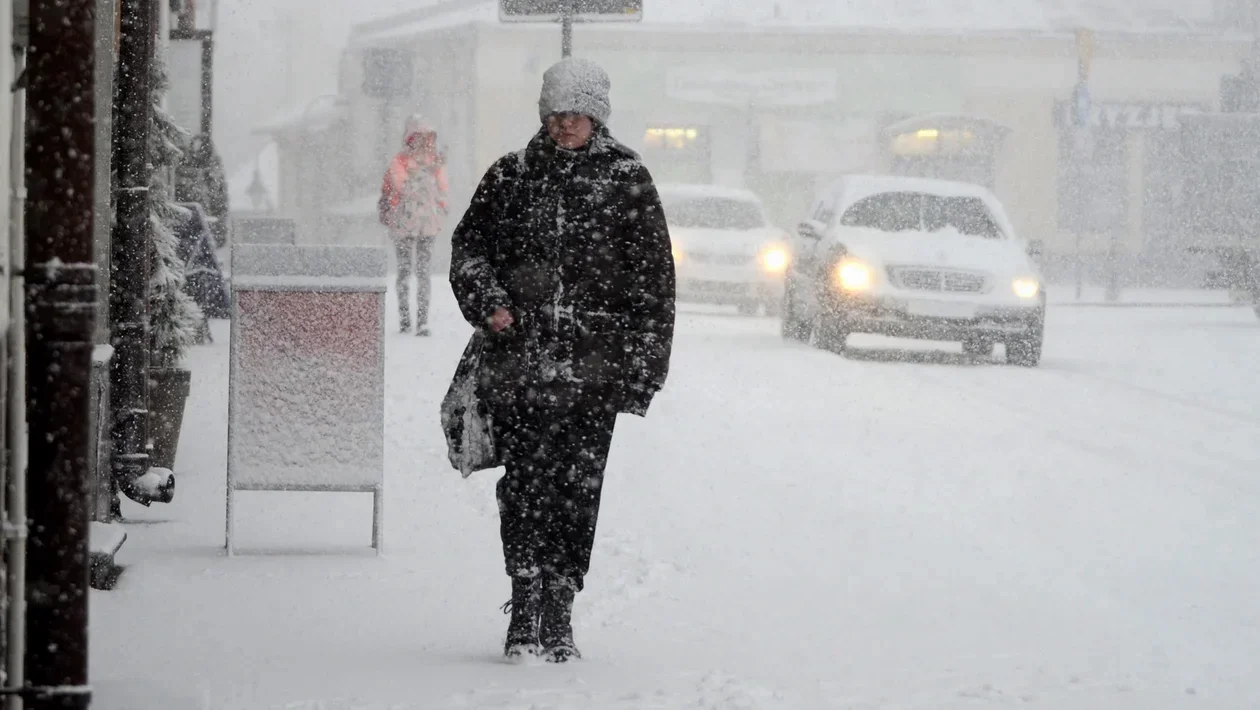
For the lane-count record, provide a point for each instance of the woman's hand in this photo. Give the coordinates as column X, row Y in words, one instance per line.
column 501, row 320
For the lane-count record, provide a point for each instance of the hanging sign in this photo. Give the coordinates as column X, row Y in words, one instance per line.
column 579, row 10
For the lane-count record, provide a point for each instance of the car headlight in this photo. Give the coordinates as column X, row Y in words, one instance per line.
column 775, row 260
column 853, row 275
column 1026, row 288
column 678, row 252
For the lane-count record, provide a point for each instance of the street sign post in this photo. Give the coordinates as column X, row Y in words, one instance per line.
column 566, row 12
column 1081, row 110
column 578, row 10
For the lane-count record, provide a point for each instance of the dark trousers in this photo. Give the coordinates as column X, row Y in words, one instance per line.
column 549, row 497
column 414, row 255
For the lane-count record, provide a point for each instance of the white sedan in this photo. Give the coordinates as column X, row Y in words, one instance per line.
column 725, row 250
column 914, row 258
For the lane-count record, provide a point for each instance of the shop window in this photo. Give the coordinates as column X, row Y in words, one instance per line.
column 672, row 138
column 678, row 153
column 960, row 148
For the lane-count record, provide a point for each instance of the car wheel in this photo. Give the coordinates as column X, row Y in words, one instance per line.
column 830, row 332
column 1026, row 351
column 748, row 309
column 773, row 308
column 977, row 347
column 793, row 328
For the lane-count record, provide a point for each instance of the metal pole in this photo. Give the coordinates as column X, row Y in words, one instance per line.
column 129, row 262
column 566, row 32
column 15, row 510
column 61, row 309
column 1080, row 265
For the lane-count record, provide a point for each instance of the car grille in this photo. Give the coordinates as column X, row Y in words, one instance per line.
column 940, row 280
column 720, row 259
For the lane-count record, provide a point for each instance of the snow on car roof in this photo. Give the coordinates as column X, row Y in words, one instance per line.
column 694, row 190
column 853, row 188
column 872, row 184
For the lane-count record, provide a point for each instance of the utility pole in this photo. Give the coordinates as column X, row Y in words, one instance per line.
column 1082, row 148
column 566, row 31
column 61, row 306
column 129, row 253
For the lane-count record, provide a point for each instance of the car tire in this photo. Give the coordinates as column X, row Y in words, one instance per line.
column 831, row 332
column 792, row 327
column 978, row 347
column 749, row 308
column 774, row 308
column 1026, row 351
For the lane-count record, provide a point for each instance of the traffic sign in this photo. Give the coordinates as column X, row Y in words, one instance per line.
column 577, row 10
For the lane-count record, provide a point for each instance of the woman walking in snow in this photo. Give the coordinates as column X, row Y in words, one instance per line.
column 413, row 206
column 564, row 260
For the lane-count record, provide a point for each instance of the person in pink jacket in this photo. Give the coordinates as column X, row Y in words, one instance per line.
column 413, row 207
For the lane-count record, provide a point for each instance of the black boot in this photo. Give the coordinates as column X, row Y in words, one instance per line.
column 522, row 635
column 556, row 627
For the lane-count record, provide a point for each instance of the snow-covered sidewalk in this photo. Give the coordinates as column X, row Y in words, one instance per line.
column 789, row 529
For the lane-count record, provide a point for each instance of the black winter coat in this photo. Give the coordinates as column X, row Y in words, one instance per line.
column 573, row 244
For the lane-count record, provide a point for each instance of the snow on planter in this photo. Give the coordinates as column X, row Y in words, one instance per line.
column 306, row 405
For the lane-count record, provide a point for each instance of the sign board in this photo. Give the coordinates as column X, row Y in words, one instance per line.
column 307, row 391
column 771, row 88
column 185, row 98
column 580, row 10
column 1124, row 116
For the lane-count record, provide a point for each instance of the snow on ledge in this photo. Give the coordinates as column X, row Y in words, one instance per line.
column 105, row 539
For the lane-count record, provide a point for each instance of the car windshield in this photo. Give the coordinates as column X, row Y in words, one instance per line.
column 916, row 211
column 712, row 213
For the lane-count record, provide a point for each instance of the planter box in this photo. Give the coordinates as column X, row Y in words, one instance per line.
column 168, row 392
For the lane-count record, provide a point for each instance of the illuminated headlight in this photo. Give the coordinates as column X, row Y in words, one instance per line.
column 852, row 275
column 1026, row 288
column 775, row 260
column 678, row 252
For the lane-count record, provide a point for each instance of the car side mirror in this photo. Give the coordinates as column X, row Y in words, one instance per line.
column 811, row 229
column 1035, row 248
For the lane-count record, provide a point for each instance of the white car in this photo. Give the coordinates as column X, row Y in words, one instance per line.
column 725, row 250
column 914, row 258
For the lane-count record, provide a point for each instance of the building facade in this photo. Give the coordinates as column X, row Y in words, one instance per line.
column 785, row 107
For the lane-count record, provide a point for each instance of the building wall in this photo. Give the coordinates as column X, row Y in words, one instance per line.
column 478, row 84
column 1015, row 80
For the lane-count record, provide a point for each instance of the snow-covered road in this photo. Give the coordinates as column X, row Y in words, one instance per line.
column 900, row 528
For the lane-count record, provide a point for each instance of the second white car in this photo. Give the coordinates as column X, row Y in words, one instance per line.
column 725, row 249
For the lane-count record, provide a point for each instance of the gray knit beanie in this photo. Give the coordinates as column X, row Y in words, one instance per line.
column 575, row 86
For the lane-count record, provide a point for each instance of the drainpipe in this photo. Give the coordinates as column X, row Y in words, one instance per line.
column 15, row 418
column 129, row 260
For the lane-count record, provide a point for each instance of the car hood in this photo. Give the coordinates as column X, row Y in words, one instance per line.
column 723, row 241
column 946, row 248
